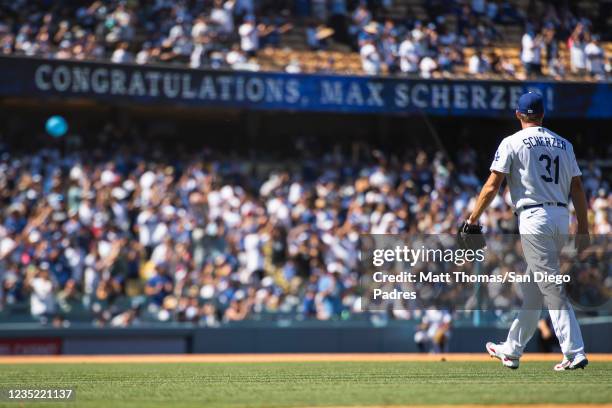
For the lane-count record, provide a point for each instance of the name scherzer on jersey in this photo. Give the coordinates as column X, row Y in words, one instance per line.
column 539, row 166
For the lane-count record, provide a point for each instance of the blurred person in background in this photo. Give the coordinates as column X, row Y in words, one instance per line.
column 532, row 46
column 409, row 56
column 478, row 65
column 159, row 285
column 595, row 59
column 434, row 332
column 371, row 60
column 42, row 297
column 576, row 44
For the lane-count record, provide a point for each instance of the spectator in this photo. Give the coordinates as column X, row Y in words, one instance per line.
column 208, row 316
column 595, row 59
column 360, row 19
column 479, row 7
column 144, row 56
column 478, row 65
column 446, row 62
column 370, row 58
column 390, row 53
column 319, row 9
column 125, row 319
column 434, row 332
column 550, row 43
column 492, row 11
column 293, row 67
column 121, row 54
column 428, row 67
column 531, row 53
column 68, row 298
column 556, row 69
column 221, row 16
column 42, row 300
column 509, row 14
column 235, row 58
column 316, row 36
column 159, row 285
column 576, row 45
column 249, row 37
column 238, row 310
column 409, row 56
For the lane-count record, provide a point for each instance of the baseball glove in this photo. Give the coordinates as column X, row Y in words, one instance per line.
column 470, row 236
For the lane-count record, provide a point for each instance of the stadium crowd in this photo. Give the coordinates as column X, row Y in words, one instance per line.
column 137, row 232
column 231, row 33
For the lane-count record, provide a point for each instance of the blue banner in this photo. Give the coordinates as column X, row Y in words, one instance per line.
column 135, row 84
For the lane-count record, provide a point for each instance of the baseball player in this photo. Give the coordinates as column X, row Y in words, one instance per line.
column 541, row 172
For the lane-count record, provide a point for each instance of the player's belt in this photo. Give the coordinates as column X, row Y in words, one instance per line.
column 542, row 205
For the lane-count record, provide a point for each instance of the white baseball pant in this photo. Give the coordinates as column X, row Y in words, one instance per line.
column 544, row 231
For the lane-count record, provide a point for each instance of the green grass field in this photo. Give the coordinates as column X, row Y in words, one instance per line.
column 311, row 384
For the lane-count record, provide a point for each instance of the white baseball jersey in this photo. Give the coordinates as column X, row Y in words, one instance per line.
column 539, row 166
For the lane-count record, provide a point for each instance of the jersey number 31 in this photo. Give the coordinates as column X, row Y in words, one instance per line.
column 549, row 162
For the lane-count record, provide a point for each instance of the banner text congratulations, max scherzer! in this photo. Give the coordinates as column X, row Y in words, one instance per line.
column 358, row 94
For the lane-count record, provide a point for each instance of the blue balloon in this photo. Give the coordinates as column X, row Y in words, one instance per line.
column 56, row 126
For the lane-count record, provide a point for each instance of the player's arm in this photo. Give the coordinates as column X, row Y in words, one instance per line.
column 580, row 205
column 487, row 194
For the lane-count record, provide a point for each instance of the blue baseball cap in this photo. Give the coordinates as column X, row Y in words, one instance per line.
column 530, row 103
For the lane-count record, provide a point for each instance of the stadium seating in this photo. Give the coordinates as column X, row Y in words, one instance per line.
column 292, row 47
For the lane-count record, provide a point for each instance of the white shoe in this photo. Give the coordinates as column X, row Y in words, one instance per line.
column 508, row 361
column 579, row 361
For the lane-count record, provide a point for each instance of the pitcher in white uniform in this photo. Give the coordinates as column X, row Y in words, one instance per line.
column 541, row 171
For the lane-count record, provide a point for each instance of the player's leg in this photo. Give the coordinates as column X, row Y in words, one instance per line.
column 561, row 311
column 526, row 322
column 563, row 319
column 570, row 338
column 542, row 252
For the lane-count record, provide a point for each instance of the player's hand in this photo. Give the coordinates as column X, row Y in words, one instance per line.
column 469, row 236
column 582, row 241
